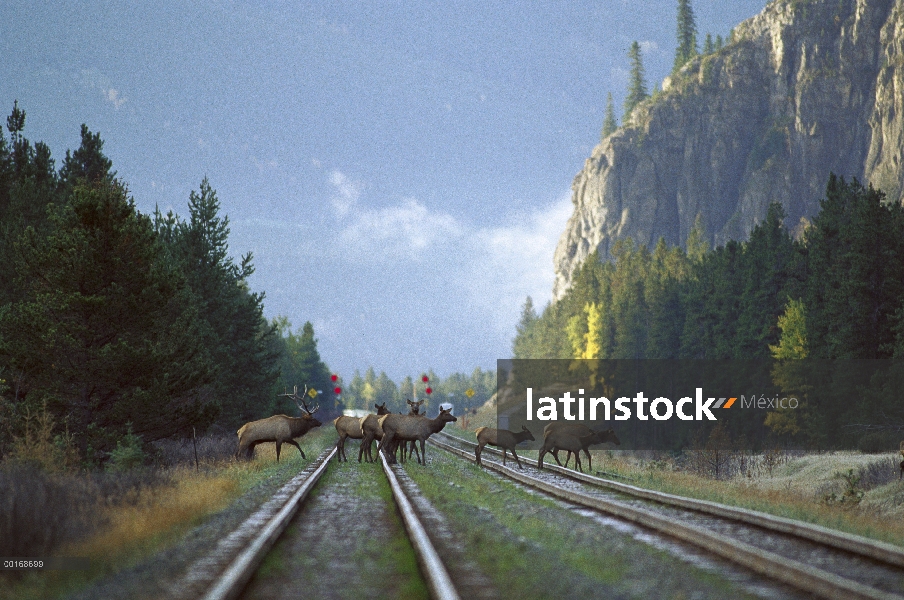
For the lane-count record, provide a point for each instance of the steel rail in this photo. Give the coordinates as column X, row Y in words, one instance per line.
column 777, row 567
column 432, row 567
column 232, row 581
column 873, row 549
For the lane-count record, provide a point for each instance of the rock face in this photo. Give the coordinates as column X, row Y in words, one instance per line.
column 805, row 88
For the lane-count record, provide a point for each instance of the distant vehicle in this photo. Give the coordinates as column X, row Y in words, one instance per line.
column 446, row 406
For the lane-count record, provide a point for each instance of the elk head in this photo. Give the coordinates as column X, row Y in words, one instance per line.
column 306, row 412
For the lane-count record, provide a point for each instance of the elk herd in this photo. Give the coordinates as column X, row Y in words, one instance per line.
column 399, row 435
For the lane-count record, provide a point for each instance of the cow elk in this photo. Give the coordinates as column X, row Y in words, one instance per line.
column 370, row 427
column 580, row 431
column 351, row 427
column 405, row 428
column 564, row 439
column 501, row 438
column 278, row 428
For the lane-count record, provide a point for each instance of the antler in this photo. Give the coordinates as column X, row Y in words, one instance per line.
column 299, row 400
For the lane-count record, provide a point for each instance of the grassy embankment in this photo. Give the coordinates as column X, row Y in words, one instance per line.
column 848, row 491
column 533, row 547
column 149, row 510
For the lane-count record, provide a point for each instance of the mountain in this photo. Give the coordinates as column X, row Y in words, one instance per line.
column 803, row 89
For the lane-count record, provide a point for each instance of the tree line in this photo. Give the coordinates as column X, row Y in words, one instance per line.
column 114, row 321
column 831, row 289
column 463, row 391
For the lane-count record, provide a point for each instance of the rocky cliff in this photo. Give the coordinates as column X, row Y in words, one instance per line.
column 804, row 89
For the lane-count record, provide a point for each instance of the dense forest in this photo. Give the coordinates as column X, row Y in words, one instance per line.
column 114, row 321
column 832, row 288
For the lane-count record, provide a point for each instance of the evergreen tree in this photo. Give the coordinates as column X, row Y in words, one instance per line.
column 609, row 123
column 88, row 163
column 637, row 87
column 300, row 365
column 855, row 273
column 768, row 265
column 239, row 337
column 719, row 43
column 523, row 344
column 106, row 331
column 708, row 46
column 687, row 35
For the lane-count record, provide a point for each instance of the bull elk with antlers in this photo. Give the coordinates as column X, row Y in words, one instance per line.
column 278, row 428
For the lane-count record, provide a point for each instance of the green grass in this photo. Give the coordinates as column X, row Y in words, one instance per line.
column 533, row 547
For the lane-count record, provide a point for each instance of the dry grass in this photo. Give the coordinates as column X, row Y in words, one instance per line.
column 802, row 487
column 134, row 512
column 167, row 509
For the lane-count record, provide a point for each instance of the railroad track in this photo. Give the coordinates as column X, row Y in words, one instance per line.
column 224, row 574
column 813, row 559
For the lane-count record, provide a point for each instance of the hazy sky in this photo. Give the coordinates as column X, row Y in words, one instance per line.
column 401, row 171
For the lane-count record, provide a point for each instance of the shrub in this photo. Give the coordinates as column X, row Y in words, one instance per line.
column 39, row 512
column 128, row 453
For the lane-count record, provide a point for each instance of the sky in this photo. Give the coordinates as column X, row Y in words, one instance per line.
column 400, row 171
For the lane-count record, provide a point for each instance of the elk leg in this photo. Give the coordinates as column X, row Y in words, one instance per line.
column 589, row 461
column 517, row 459
column 386, row 445
column 294, row 443
column 504, row 450
column 567, row 458
column 555, row 455
column 361, row 447
column 423, row 456
column 278, row 446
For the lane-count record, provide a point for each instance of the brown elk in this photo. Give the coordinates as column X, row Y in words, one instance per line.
column 350, row 427
column 404, row 428
column 564, row 439
column 278, row 428
column 414, row 409
column 580, row 431
column 370, row 426
column 501, row 438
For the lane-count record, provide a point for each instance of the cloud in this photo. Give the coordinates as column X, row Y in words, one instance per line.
column 648, row 47
column 112, row 95
column 512, row 261
column 93, row 79
column 405, row 230
column 347, row 192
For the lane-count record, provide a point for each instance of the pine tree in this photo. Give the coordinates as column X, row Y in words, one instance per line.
column 239, row 337
column 637, row 87
column 719, row 43
column 687, row 35
column 525, row 337
column 88, row 163
column 609, row 123
column 708, row 46
column 107, row 330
